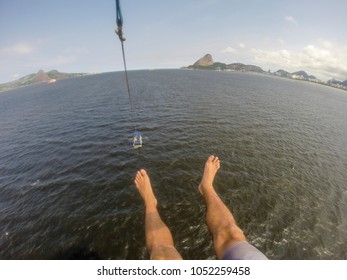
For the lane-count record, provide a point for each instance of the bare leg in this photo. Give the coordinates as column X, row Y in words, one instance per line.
column 159, row 240
column 219, row 219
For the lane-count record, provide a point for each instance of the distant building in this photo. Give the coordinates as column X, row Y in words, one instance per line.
column 297, row 77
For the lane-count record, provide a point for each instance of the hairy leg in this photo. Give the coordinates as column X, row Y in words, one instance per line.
column 219, row 219
column 159, row 239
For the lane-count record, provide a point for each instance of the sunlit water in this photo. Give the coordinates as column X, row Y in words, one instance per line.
column 67, row 164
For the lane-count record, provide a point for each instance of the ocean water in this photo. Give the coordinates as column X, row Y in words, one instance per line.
column 67, row 165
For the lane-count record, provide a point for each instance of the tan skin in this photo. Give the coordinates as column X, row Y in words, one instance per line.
column 219, row 219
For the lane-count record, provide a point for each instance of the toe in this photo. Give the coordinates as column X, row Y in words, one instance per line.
column 138, row 176
column 215, row 159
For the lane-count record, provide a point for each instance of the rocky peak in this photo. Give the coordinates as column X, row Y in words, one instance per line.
column 40, row 77
column 206, row 60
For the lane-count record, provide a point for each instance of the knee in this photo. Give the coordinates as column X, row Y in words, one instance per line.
column 229, row 233
column 161, row 252
column 226, row 237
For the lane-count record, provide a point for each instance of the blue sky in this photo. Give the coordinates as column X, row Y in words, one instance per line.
column 78, row 35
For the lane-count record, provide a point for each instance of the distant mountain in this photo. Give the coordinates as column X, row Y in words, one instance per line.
column 300, row 73
column 39, row 77
column 207, row 63
column 54, row 74
column 304, row 75
column 206, row 60
column 335, row 82
column 244, row 68
column 282, row 73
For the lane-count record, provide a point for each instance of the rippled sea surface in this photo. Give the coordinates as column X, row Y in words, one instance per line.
column 67, row 164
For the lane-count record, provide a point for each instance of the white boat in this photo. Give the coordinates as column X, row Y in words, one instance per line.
column 137, row 140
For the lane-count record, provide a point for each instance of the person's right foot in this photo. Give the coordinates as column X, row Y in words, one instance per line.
column 211, row 167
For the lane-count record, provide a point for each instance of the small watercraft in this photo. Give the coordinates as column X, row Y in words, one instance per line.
column 137, row 140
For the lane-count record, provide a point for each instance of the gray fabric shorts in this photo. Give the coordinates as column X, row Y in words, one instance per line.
column 242, row 250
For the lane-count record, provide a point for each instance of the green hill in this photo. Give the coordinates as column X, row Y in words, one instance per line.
column 207, row 63
column 39, row 77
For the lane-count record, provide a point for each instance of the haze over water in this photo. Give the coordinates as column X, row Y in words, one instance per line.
column 67, row 164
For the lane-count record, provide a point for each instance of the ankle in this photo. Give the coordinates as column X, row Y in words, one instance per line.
column 150, row 206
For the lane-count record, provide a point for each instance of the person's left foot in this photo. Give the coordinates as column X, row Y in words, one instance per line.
column 143, row 185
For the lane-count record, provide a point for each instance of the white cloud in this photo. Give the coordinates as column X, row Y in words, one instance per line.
column 324, row 61
column 327, row 44
column 280, row 41
column 240, row 46
column 228, row 50
column 18, row 48
column 291, row 20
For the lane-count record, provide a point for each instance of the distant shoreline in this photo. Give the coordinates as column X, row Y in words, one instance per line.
column 5, row 87
column 344, row 88
column 207, row 63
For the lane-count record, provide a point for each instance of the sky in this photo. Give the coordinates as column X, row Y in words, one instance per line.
column 78, row 35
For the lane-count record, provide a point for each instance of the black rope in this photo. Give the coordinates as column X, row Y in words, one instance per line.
column 119, row 32
column 128, row 87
